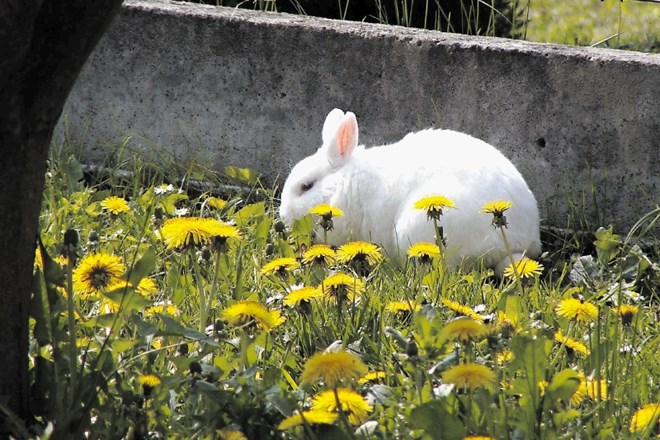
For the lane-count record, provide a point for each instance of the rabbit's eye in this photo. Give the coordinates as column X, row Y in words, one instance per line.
column 306, row 187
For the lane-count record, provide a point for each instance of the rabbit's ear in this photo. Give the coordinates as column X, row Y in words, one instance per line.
column 343, row 141
column 330, row 125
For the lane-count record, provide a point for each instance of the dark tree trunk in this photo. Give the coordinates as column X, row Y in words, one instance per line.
column 43, row 46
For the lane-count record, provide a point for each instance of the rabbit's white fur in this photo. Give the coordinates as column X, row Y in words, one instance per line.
column 377, row 188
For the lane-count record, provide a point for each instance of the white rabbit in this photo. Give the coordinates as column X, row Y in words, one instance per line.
column 377, row 188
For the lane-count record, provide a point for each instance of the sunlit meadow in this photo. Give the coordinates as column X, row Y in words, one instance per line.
column 170, row 308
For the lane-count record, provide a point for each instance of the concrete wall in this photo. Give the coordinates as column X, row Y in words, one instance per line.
column 236, row 87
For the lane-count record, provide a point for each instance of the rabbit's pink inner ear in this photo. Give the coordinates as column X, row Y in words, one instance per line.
column 347, row 135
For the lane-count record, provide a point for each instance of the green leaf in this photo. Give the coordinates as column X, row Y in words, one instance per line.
column 249, row 213
column 128, row 299
column 607, row 244
column 563, row 385
column 142, row 268
column 246, row 176
column 174, row 328
column 431, row 415
column 73, row 174
column 531, row 356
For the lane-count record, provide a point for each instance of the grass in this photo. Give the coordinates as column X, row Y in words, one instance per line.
column 184, row 354
column 626, row 24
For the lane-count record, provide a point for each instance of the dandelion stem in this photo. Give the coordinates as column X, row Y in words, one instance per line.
column 512, row 262
column 73, row 367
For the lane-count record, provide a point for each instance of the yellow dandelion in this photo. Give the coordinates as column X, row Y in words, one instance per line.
column 464, row 329
column 280, row 266
column 461, row 309
column 216, row 202
column 252, row 313
column 507, row 320
column 594, row 389
column 96, row 273
column 333, row 367
column 146, row 286
column 526, row 268
column 478, row 437
column 497, row 208
column 231, row 434
column 424, row 252
column 645, row 418
column 303, row 295
column 149, row 382
column 355, row 406
column 326, row 211
column 162, row 309
column 627, row 313
column 372, row 376
column 504, row 357
column 183, row 232
column 311, row 417
column 406, row 307
column 340, row 286
column 433, row 205
column 571, row 344
column 576, row 398
column 115, row 205
column 581, row 311
column 359, row 251
column 319, row 254
column 471, row 376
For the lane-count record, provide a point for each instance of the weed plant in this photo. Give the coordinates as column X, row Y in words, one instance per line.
column 145, row 324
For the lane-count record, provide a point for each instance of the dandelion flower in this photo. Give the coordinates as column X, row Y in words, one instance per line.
column 627, row 313
column 280, row 266
column 231, row 434
column 402, row 307
column 319, row 254
column 333, row 367
column 571, row 344
column 359, row 251
column 115, row 205
column 424, row 252
column 471, row 376
column 251, row 312
column 526, row 268
column 581, row 311
column 149, row 382
column 372, row 377
column 165, row 308
column 342, row 286
column 216, row 202
column 433, row 205
column 146, row 286
column 462, row 309
column 594, row 389
column 303, row 295
column 311, row 417
column 497, row 208
column 478, row 437
column 183, row 232
column 326, row 211
column 464, row 329
column 355, row 406
column 645, row 417
column 504, row 357
column 96, row 272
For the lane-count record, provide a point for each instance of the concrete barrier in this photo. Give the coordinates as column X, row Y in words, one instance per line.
column 236, row 87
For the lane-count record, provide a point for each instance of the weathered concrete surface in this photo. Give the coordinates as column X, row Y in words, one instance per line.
column 236, row 87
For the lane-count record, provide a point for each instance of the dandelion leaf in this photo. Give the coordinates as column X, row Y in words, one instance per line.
column 142, row 268
column 563, row 385
column 431, row 415
column 245, row 176
column 607, row 244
